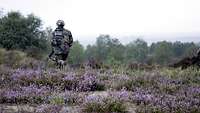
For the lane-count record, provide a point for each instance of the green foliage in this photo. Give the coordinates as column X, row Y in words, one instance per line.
column 35, row 52
column 102, row 46
column 106, row 105
column 25, row 33
column 76, row 55
column 178, row 49
column 115, row 56
column 163, row 52
column 2, row 54
column 57, row 100
column 13, row 58
column 20, row 32
column 16, row 59
column 110, row 51
column 137, row 51
column 91, row 52
column 190, row 49
column 106, row 49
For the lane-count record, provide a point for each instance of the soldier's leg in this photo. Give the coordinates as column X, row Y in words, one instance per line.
column 64, row 56
column 52, row 52
column 58, row 58
column 65, row 49
column 45, row 64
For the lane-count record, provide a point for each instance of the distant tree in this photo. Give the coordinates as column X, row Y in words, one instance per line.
column 178, row 49
column 190, row 49
column 116, row 52
column 20, row 32
column 91, row 52
column 102, row 47
column 76, row 54
column 137, row 51
column 163, row 52
column 142, row 50
column 48, row 35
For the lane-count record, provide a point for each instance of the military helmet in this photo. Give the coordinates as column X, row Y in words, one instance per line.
column 60, row 23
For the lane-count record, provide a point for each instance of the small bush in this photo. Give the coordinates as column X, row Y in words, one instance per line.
column 35, row 52
column 13, row 58
column 90, row 82
column 57, row 100
column 99, row 104
column 2, row 55
column 30, row 63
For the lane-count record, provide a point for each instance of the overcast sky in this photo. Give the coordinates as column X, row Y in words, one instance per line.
column 148, row 19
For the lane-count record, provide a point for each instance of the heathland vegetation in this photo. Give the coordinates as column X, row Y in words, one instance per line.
column 106, row 77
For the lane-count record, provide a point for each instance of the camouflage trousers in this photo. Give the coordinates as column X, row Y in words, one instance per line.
column 62, row 50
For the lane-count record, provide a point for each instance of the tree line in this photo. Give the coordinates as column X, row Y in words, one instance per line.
column 111, row 51
column 25, row 33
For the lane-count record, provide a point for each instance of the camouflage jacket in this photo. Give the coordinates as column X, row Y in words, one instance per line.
column 62, row 36
column 61, row 41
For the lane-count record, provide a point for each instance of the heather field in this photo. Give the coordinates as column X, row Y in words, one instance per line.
column 103, row 56
column 85, row 90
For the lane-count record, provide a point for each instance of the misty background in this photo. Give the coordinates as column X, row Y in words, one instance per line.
column 127, row 20
column 112, row 32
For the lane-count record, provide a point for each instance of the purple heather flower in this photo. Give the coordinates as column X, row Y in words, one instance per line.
column 34, row 90
column 88, row 82
column 94, row 99
column 121, row 95
column 48, row 109
column 70, row 77
column 11, row 94
column 26, row 73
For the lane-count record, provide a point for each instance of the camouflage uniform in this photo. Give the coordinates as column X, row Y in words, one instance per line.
column 61, row 41
column 198, row 53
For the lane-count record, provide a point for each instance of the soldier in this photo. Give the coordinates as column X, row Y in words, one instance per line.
column 61, row 41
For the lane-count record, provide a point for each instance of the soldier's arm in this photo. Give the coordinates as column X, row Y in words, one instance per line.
column 70, row 39
column 53, row 43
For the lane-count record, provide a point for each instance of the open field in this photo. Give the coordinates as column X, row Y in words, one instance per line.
column 116, row 56
column 99, row 91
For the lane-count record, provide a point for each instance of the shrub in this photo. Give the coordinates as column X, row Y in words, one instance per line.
column 100, row 104
column 35, row 52
column 29, row 62
column 57, row 100
column 29, row 94
column 90, row 82
column 13, row 58
column 2, row 55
